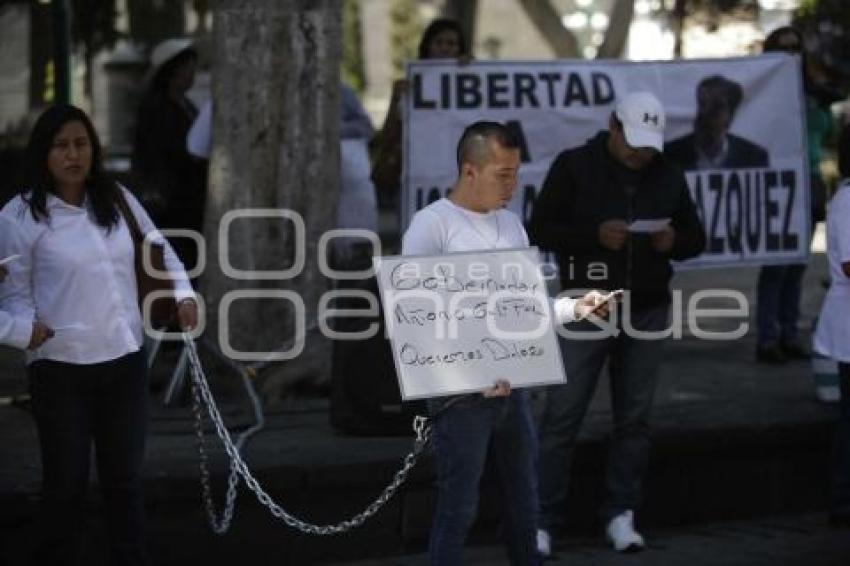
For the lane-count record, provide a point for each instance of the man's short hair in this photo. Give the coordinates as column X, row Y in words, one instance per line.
column 474, row 143
column 731, row 90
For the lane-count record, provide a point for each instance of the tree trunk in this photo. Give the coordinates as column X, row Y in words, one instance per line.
column 275, row 146
column 622, row 13
column 152, row 22
column 678, row 25
column 548, row 23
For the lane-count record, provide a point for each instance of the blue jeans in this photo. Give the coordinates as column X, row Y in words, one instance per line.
column 778, row 303
column 633, row 368
column 463, row 434
column 77, row 407
column 841, row 448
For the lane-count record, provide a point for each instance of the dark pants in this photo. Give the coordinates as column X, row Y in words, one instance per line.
column 778, row 308
column 462, row 436
column 633, row 368
column 841, row 448
column 75, row 407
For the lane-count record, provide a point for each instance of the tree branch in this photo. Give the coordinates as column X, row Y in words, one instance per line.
column 548, row 23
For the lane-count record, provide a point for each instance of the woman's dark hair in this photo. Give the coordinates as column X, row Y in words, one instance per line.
column 771, row 42
column 434, row 29
column 160, row 80
column 100, row 188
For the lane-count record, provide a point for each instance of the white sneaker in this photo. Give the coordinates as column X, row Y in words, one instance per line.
column 544, row 543
column 621, row 532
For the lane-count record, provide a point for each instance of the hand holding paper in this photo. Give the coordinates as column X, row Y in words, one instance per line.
column 595, row 303
column 662, row 241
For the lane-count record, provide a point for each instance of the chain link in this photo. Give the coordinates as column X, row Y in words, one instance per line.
column 201, row 394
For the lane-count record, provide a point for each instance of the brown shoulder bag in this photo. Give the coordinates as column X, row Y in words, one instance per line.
column 163, row 309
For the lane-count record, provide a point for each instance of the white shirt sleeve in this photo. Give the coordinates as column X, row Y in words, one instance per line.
column 199, row 138
column 424, row 236
column 16, row 292
column 182, row 287
column 15, row 332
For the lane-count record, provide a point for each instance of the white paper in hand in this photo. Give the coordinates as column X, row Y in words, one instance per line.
column 649, row 226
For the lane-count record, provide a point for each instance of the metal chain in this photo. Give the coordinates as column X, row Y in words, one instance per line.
column 218, row 525
column 202, row 394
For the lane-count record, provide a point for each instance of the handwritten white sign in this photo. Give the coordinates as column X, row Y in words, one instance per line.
column 459, row 322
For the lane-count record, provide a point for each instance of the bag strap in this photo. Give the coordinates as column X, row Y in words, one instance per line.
column 129, row 217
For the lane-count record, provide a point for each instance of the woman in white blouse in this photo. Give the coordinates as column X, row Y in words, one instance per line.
column 76, row 275
column 832, row 337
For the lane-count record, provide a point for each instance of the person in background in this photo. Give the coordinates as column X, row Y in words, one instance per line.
column 355, row 124
column 589, row 199
column 442, row 39
column 199, row 137
column 832, row 336
column 76, row 274
column 358, row 206
column 780, row 287
column 172, row 183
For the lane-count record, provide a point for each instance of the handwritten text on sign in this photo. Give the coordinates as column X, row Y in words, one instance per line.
column 459, row 322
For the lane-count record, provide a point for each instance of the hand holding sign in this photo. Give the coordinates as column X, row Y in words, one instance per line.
column 502, row 388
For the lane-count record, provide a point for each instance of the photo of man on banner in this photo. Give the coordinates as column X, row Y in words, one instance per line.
column 711, row 145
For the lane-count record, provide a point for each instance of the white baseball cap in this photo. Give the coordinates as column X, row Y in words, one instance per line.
column 643, row 120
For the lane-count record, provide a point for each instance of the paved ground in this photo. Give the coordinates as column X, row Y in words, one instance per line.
column 802, row 540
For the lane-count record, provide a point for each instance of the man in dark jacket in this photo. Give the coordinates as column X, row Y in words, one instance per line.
column 590, row 199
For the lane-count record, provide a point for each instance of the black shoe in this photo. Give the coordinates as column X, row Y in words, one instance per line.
column 771, row 355
column 795, row 352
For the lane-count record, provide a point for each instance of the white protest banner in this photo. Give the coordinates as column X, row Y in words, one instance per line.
column 753, row 197
column 459, row 322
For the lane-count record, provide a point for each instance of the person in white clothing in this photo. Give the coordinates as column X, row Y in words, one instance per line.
column 199, row 138
column 474, row 218
column 832, row 337
column 76, row 274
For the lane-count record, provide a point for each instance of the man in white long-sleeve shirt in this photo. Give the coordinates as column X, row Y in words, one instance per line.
column 474, row 218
